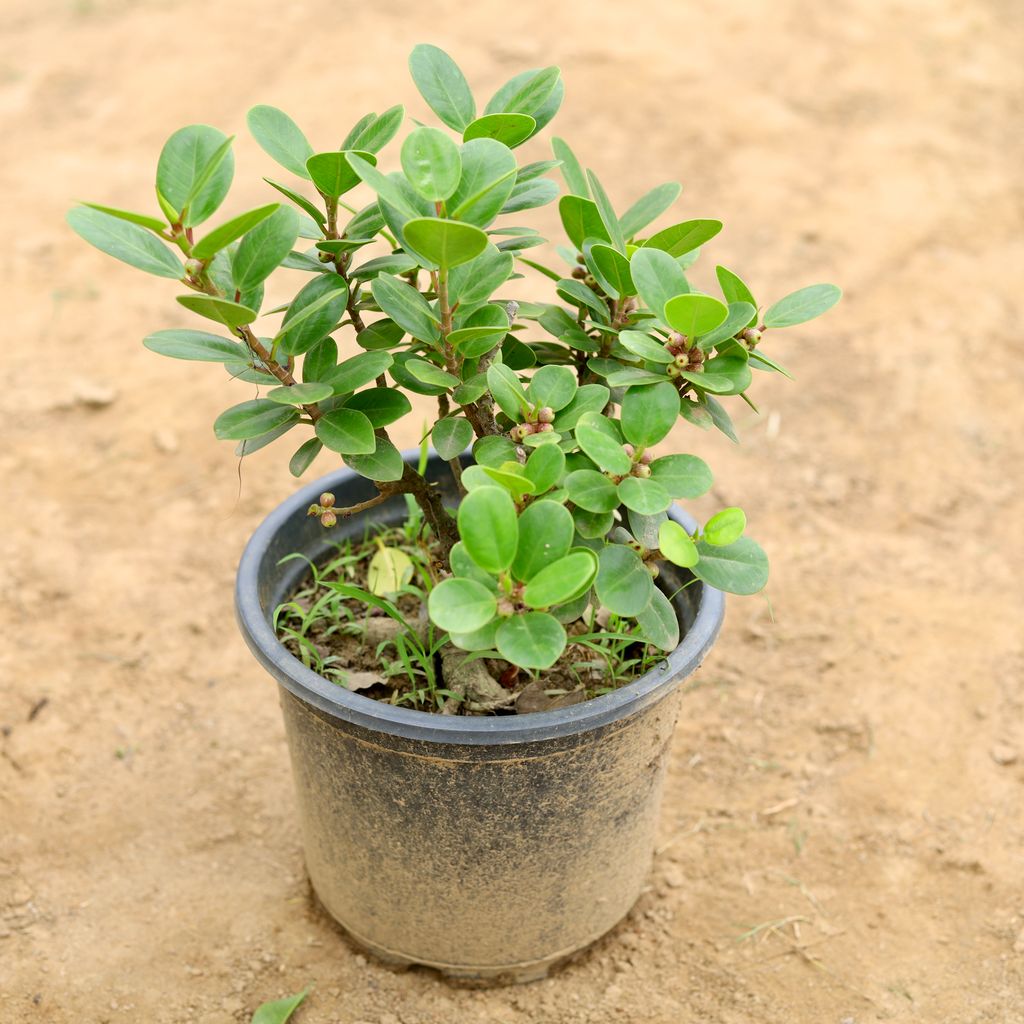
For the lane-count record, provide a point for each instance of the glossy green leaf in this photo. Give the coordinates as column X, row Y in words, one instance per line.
column 510, row 129
column 588, row 398
column 608, row 454
column 683, row 238
column 430, row 373
column 393, row 263
column 525, row 93
column 376, row 132
column 304, row 456
column 572, row 171
column 529, row 195
column 279, row 1010
column 484, row 330
column 646, row 347
column 280, row 138
column 545, row 467
column 347, row 432
column 657, row 278
column 631, row 376
column 545, row 534
column 125, row 241
column 406, row 307
column 649, row 207
column 461, row 605
column 254, row 444
column 431, row 162
column 451, row 436
column 493, row 450
column 610, row 268
column 381, row 406
column 649, row 412
column 577, row 292
column 683, row 476
column 581, row 220
column 734, row 289
column 474, row 282
column 592, row 491
column 443, row 86
column 740, row 314
column 507, row 391
column 608, row 217
column 251, row 419
column 659, row 622
column 183, row 161
column 142, row 219
column 320, row 360
column 384, row 464
column 488, row 528
column 301, row 394
column 178, row 343
column 512, row 477
column 720, row 418
column 332, row 173
column 716, row 383
column 231, row 314
column 229, row 231
column 738, row 568
column 552, row 386
column 725, row 527
column 531, row 640
column 677, row 545
column 694, row 314
column 561, row 580
column 381, row 334
column 802, row 305
column 388, row 187
column 623, row 584
column 263, row 247
column 647, row 497
column 300, row 201
column 446, row 243
column 488, row 177
column 592, row 525
column 313, row 314
column 358, row 371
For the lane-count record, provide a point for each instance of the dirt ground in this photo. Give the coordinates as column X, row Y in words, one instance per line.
column 843, row 832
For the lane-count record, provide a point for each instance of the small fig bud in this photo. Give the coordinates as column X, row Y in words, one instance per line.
column 646, row 459
column 505, row 606
column 194, row 268
column 328, row 518
column 543, row 428
column 580, row 258
column 629, row 450
column 672, row 370
column 682, row 360
column 652, row 568
column 642, row 471
column 314, row 510
column 327, row 500
column 546, row 414
column 590, row 281
column 579, row 273
column 751, row 335
column 677, row 340
column 326, row 257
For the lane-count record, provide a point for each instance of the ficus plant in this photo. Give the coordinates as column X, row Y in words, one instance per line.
column 562, row 399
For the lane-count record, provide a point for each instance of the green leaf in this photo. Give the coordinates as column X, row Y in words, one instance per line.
column 488, row 528
column 510, row 129
column 474, row 282
column 196, row 345
column 647, row 497
column 388, row 187
column 231, row 314
column 493, row 450
column 592, row 491
column 301, row 201
column 393, row 263
column 263, row 248
column 320, row 360
column 153, row 223
column 720, row 417
column 488, row 177
column 507, row 391
column 250, row 445
column 301, row 394
column 313, row 314
column 630, row 376
column 443, row 86
column 592, row 525
column 607, row 453
column 561, row 580
column 545, row 534
column 278, row 1011
column 381, row 334
column 588, row 398
column 484, row 330
column 657, row 278
column 694, row 314
column 734, row 289
column 581, row 220
column 512, row 477
column 347, row 432
column 251, row 419
column 181, row 167
column 610, row 268
column 429, row 373
column 647, row 348
column 545, row 467
column 125, row 241
column 608, row 218
column 740, row 314
column 572, row 172
column 432, row 163
column 552, row 386
column 374, row 133
column 280, row 138
column 332, row 174
column 649, row 412
column 531, row 640
column 381, row 406
column 738, row 568
column 384, row 464
column 659, row 622
column 357, row 372
column 649, row 207
column 452, row 436
column 461, row 605
column 725, row 527
column 231, row 230
column 407, row 307
column 685, row 237
column 717, row 383
column 577, row 292
column 525, row 93
column 623, row 584
column 683, row 476
column 446, row 243
column 528, row 195
column 304, row 456
column 802, row 305
column 677, row 545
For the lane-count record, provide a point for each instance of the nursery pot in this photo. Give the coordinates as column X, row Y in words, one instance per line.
column 490, row 848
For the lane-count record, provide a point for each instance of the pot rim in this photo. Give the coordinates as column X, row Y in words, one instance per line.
column 378, row 716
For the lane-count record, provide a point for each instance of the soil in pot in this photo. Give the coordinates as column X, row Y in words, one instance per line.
column 359, row 619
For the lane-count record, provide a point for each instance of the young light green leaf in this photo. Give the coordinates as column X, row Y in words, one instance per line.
column 432, row 163
column 694, row 314
column 623, row 584
column 347, row 432
column 528, row 195
column 373, row 133
column 531, row 640
column 725, row 527
column 561, row 580
column 452, row 436
column 680, row 239
column 649, row 207
column 738, row 568
column 446, row 243
column 647, row 497
column 461, row 605
column 280, row 138
column 802, row 305
column 443, row 86
column 387, row 187
column 125, row 241
column 183, row 160
column 657, row 278
column 545, row 467
column 231, row 314
column 735, row 290
column 406, row 307
column 677, row 545
column 649, row 412
column 251, row 419
column 488, row 528
column 545, row 534
column 278, row 1011
column 430, row 373
column 263, row 247
column 482, row 331
column 510, row 129
column 196, row 345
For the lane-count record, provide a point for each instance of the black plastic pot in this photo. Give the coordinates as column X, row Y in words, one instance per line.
column 490, row 848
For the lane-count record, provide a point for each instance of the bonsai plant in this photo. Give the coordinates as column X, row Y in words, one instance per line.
column 558, row 535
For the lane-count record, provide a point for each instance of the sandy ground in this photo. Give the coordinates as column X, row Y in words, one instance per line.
column 843, row 825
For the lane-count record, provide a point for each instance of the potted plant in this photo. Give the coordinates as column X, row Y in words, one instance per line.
column 480, row 672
